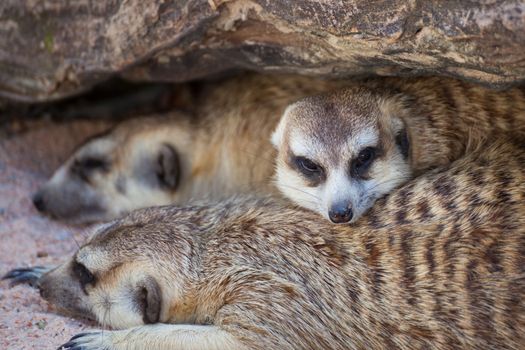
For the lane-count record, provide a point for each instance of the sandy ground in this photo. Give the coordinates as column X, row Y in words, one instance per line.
column 28, row 239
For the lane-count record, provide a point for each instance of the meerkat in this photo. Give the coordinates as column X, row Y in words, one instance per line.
column 219, row 147
column 445, row 270
column 341, row 151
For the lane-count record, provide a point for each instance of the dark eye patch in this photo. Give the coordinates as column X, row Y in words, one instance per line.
column 309, row 169
column 83, row 275
column 84, row 167
column 94, row 163
column 362, row 162
column 307, row 166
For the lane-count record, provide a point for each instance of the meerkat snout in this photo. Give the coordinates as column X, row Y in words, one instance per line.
column 339, row 153
column 340, row 212
column 38, row 201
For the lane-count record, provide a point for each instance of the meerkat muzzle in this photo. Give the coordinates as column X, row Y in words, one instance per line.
column 340, row 213
column 38, row 202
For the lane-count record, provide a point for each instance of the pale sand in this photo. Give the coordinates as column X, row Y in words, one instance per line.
column 27, row 238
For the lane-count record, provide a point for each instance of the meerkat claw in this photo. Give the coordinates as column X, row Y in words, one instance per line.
column 80, row 335
column 86, row 341
column 26, row 275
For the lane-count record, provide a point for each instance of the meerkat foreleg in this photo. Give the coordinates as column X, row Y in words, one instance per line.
column 156, row 336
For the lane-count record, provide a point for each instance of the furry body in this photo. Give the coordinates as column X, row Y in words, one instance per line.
column 440, row 264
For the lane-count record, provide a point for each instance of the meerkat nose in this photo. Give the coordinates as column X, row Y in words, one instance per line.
column 340, row 213
column 41, row 289
column 38, row 202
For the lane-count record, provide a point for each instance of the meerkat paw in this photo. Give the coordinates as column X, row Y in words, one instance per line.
column 28, row 275
column 157, row 336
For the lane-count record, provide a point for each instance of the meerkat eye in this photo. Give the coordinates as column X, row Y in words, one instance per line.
column 85, row 166
column 92, row 163
column 307, row 167
column 363, row 160
column 82, row 273
column 365, row 155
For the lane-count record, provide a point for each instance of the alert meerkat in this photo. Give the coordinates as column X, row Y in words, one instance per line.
column 446, row 270
column 339, row 152
column 220, row 147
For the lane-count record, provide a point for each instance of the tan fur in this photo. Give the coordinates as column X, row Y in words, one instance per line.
column 444, row 119
column 438, row 264
column 222, row 144
column 447, row 116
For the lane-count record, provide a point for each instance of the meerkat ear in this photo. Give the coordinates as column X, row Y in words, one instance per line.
column 278, row 133
column 403, row 142
column 149, row 300
column 393, row 110
column 401, row 135
column 168, row 166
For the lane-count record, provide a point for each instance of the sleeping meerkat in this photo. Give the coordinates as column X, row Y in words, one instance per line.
column 341, row 151
column 221, row 147
column 252, row 273
column 138, row 163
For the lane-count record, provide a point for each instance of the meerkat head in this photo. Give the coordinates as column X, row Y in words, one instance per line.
column 136, row 165
column 339, row 152
column 128, row 273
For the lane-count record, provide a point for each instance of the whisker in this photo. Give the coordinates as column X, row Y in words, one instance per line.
column 75, row 240
column 83, row 233
column 106, row 304
column 302, row 191
column 388, row 181
column 73, row 230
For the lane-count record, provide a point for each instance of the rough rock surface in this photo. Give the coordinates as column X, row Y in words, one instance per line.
column 50, row 49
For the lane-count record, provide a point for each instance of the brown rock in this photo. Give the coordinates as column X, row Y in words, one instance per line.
column 50, row 49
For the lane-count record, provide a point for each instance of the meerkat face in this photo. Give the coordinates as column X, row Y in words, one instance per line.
column 111, row 175
column 120, row 296
column 118, row 280
column 338, row 153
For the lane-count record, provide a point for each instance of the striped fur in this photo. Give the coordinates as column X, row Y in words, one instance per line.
column 438, row 264
column 412, row 125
